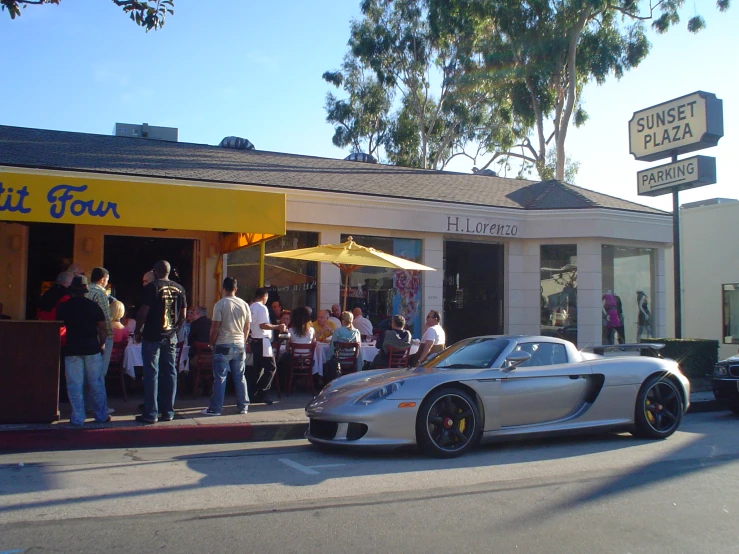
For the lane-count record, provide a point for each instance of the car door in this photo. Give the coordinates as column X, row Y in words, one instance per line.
column 548, row 387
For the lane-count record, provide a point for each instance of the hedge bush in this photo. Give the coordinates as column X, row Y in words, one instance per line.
column 695, row 356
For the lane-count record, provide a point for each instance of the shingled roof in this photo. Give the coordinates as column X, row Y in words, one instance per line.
column 65, row 151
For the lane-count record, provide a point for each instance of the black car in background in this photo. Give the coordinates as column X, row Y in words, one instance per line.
column 725, row 382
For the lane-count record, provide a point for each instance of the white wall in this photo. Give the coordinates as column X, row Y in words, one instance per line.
column 710, row 258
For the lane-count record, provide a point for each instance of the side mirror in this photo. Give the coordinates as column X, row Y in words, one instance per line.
column 517, row 358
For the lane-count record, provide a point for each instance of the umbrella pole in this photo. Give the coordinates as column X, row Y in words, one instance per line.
column 346, row 287
column 261, row 264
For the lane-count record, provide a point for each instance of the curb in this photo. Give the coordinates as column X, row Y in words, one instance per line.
column 141, row 436
column 707, row 406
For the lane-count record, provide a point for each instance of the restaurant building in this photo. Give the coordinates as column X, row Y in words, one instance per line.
column 512, row 256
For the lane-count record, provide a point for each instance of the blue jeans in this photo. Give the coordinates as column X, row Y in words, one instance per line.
column 160, row 377
column 228, row 357
column 106, row 363
column 81, row 371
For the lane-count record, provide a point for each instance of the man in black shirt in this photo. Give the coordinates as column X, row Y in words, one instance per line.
column 83, row 360
column 163, row 310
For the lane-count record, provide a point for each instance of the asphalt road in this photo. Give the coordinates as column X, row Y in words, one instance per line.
column 605, row 493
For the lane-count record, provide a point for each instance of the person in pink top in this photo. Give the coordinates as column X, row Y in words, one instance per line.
column 610, row 315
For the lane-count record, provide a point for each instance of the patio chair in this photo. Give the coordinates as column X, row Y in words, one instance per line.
column 398, row 357
column 348, row 353
column 203, row 365
column 301, row 365
column 115, row 368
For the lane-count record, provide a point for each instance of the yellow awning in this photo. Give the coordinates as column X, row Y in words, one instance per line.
column 250, row 217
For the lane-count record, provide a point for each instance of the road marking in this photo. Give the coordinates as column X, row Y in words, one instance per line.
column 308, row 470
column 299, row 467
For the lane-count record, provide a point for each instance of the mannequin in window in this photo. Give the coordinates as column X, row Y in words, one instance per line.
column 645, row 318
column 610, row 316
column 620, row 329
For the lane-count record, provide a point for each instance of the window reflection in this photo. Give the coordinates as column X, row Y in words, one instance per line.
column 559, row 291
column 383, row 292
column 731, row 313
column 628, row 289
column 292, row 282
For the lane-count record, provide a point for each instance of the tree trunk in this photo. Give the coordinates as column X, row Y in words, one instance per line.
column 571, row 92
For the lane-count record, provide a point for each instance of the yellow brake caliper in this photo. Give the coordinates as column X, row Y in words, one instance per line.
column 650, row 415
column 462, row 422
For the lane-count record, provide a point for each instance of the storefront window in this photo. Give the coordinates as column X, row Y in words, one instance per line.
column 628, row 290
column 731, row 313
column 559, row 291
column 383, row 292
column 293, row 282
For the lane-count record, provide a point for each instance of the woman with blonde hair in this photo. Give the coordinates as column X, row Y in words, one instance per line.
column 120, row 332
column 348, row 333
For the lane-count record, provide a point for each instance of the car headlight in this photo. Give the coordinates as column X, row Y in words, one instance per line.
column 380, row 393
column 720, row 371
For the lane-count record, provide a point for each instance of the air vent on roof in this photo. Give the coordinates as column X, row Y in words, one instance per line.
column 484, row 172
column 361, row 157
column 237, row 143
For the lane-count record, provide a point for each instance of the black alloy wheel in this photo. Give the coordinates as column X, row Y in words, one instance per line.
column 448, row 423
column 659, row 408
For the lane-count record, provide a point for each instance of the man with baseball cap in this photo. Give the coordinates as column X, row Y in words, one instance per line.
column 83, row 355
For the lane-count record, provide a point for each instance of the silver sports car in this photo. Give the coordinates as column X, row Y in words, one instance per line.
column 489, row 388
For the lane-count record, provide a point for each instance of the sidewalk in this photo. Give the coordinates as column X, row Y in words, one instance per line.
column 283, row 420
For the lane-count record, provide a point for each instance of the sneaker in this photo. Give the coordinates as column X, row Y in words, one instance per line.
column 267, row 400
column 244, row 411
column 166, row 417
column 111, row 411
column 207, row 411
column 106, row 420
column 146, row 420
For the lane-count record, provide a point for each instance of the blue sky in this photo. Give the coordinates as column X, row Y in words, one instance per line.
column 253, row 69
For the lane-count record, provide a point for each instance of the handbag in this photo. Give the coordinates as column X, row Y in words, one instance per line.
column 332, row 368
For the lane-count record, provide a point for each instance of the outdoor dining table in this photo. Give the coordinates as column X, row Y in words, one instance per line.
column 368, row 354
column 132, row 358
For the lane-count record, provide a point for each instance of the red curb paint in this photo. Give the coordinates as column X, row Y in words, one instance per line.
column 123, row 437
column 68, row 438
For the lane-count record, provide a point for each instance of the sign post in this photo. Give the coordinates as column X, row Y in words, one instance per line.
column 686, row 124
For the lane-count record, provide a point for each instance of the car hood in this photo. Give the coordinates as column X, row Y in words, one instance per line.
column 359, row 383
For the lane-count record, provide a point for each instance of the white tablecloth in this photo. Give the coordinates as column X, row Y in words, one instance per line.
column 368, row 354
column 132, row 358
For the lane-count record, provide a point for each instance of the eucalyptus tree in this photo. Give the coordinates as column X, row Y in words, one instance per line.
column 147, row 14
column 362, row 120
column 422, row 74
column 541, row 53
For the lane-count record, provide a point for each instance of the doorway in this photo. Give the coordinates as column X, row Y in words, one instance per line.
column 128, row 258
column 50, row 251
column 473, row 290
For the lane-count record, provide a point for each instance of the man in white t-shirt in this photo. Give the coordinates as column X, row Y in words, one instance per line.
column 228, row 332
column 261, row 374
column 434, row 337
column 362, row 323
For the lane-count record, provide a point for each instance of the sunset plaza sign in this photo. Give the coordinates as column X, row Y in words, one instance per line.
column 685, row 124
column 682, row 125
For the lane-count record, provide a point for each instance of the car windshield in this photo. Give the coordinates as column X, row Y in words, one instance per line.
column 478, row 353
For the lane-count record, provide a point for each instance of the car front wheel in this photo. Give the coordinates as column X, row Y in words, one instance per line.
column 659, row 409
column 448, row 423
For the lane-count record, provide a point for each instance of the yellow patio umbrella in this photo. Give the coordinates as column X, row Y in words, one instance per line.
column 350, row 256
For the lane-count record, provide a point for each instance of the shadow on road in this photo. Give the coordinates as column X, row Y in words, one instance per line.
column 305, row 465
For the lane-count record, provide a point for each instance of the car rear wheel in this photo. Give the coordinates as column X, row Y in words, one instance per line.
column 448, row 423
column 659, row 409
